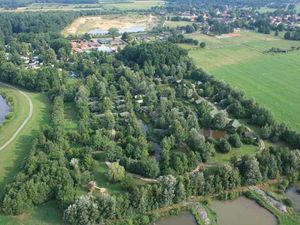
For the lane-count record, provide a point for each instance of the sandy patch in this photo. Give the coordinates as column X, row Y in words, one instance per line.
column 84, row 24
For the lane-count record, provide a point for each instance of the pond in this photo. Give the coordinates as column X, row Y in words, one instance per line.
column 292, row 194
column 132, row 29
column 4, row 109
column 184, row 218
column 242, row 211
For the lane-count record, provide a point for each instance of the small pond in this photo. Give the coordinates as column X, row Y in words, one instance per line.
column 184, row 218
column 4, row 109
column 132, row 29
column 242, row 211
column 292, row 194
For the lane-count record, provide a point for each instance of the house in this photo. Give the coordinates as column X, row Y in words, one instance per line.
column 233, row 125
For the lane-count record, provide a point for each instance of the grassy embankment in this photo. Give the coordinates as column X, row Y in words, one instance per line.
column 272, row 79
column 13, row 157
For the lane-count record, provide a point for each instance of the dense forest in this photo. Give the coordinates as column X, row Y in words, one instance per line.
column 21, row 3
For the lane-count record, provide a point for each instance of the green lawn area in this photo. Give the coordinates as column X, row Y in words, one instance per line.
column 220, row 158
column 21, row 111
column 70, row 116
column 273, row 80
column 174, row 24
column 45, row 214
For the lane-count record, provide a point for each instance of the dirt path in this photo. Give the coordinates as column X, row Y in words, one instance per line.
column 13, row 137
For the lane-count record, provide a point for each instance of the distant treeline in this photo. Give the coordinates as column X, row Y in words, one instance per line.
column 21, row 3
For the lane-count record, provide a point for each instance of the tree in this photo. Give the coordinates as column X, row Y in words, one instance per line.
column 223, row 145
column 219, row 121
column 202, row 44
column 116, row 172
column 83, row 212
column 113, row 32
column 126, row 37
column 235, row 140
column 249, row 170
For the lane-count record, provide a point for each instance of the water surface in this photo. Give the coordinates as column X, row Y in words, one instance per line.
column 292, row 194
column 184, row 218
column 4, row 109
column 242, row 211
column 133, row 29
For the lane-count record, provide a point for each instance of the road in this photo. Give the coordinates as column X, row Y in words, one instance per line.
column 13, row 137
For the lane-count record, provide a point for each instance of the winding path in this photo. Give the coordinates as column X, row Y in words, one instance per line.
column 13, row 137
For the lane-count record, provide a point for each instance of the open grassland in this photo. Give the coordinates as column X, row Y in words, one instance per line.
column 83, row 25
column 273, row 80
column 220, row 158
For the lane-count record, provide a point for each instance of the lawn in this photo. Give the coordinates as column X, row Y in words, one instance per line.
column 221, row 158
column 174, row 24
column 21, row 111
column 273, row 80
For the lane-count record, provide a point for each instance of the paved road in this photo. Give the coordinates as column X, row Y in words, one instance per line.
column 13, row 137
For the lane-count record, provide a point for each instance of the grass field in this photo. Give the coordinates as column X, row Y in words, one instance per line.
column 21, row 110
column 174, row 24
column 273, row 80
column 220, row 158
column 267, row 9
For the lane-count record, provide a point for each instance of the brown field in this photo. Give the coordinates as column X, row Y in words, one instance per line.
column 84, row 24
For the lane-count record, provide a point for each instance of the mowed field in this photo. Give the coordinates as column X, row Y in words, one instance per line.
column 273, row 80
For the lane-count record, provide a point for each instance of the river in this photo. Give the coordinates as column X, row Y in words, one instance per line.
column 4, row 109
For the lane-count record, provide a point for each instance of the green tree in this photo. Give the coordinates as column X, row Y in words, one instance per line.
column 116, row 172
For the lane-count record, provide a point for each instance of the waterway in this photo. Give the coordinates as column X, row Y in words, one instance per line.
column 4, row 109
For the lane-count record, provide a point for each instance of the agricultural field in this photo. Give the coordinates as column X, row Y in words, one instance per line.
column 85, row 24
column 128, row 5
column 272, row 79
column 135, row 5
column 267, row 9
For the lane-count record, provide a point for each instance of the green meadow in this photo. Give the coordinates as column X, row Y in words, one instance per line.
column 272, row 79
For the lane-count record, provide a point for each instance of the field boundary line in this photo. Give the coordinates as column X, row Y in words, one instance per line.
column 20, row 128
